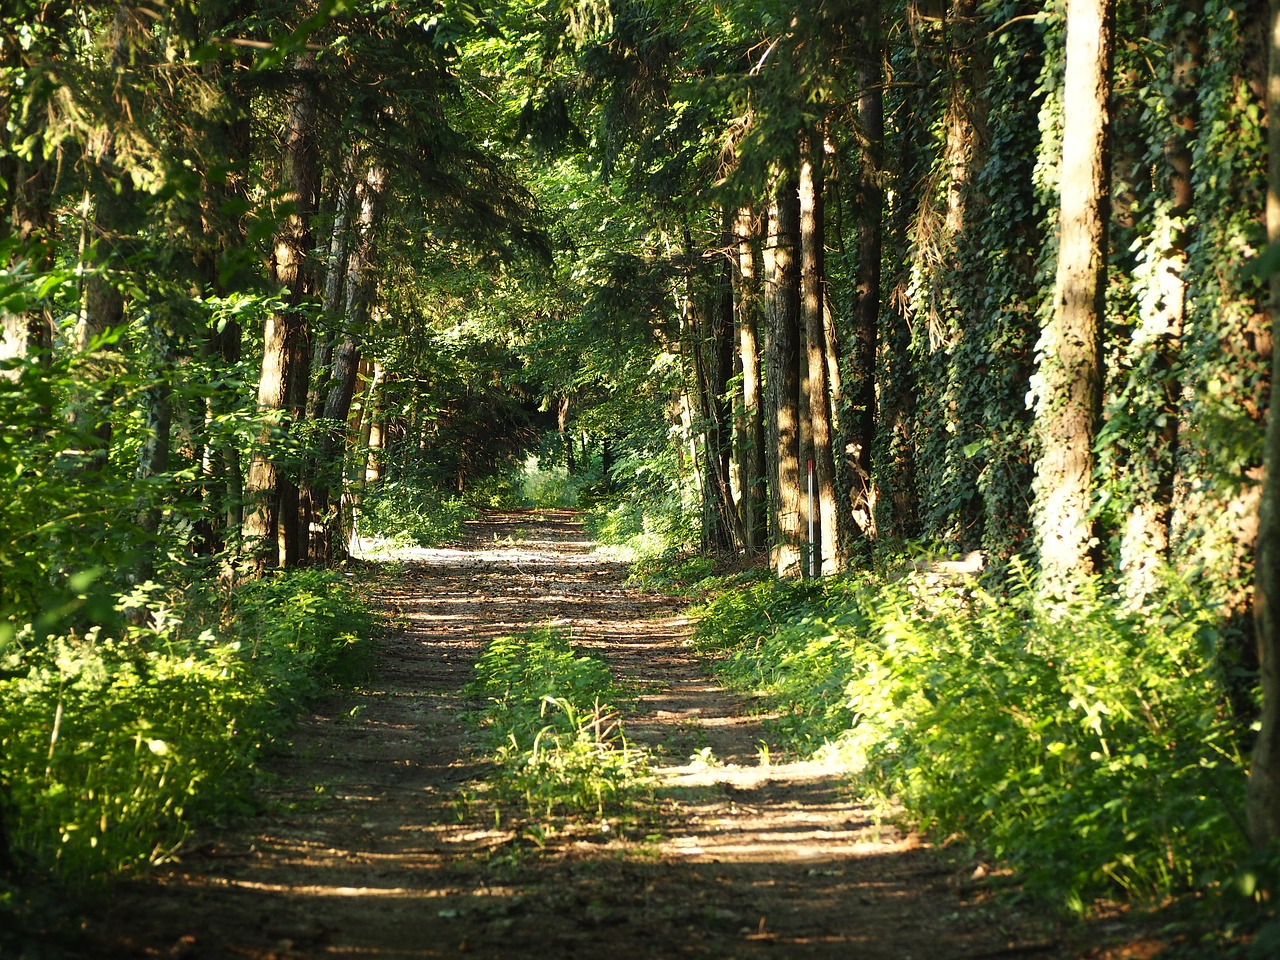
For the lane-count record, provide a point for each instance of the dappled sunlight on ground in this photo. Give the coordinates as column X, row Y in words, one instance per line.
column 376, row 840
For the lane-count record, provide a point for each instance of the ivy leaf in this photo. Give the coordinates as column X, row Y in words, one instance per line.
column 1265, row 264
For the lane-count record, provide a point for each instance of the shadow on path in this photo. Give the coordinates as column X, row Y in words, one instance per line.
column 368, row 849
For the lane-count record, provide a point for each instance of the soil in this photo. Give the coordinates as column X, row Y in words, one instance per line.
column 375, row 842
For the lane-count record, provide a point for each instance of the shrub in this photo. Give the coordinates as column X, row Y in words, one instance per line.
column 1090, row 745
column 405, row 512
column 113, row 748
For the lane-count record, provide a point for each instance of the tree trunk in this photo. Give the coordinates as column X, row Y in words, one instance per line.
column 1144, row 543
column 335, row 290
column 1069, row 392
column 30, row 332
column 154, row 450
column 866, row 307
column 566, row 436
column 812, row 302
column 1262, row 804
column 27, row 216
column 782, row 361
column 271, row 530
column 712, row 350
column 359, row 286
column 373, row 432
column 752, row 471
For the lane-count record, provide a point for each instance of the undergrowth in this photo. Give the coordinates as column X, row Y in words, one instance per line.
column 1090, row 745
column 411, row 513
column 552, row 727
column 115, row 744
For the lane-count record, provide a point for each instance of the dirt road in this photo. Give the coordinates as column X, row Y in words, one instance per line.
column 370, row 847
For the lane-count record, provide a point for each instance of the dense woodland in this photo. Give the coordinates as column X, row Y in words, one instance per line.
column 992, row 272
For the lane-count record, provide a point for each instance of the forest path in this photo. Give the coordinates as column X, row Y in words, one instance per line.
column 369, row 850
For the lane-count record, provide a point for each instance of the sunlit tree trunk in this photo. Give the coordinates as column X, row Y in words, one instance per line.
column 782, row 360
column 1263, row 798
column 866, row 306
column 1144, row 543
column 373, row 432
column 271, row 530
column 28, row 332
column 751, row 438
column 812, row 304
column 1069, row 388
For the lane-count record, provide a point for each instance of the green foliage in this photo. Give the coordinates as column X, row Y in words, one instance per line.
column 1089, row 745
column 654, row 511
column 674, row 573
column 553, row 727
column 113, row 748
column 307, row 626
column 636, row 531
column 549, row 485
column 405, row 511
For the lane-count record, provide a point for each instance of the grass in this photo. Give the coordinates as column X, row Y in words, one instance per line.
column 552, row 728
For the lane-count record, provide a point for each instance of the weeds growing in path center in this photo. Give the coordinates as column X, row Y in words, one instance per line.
column 552, row 729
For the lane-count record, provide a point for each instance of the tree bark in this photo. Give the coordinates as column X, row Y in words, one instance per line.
column 271, row 530
column 1069, row 393
column 752, row 471
column 866, row 306
column 1144, row 542
column 713, row 363
column 27, row 216
column 830, row 558
column 1262, row 805
column 373, row 431
column 359, row 286
column 782, row 361
column 335, row 290
column 154, row 450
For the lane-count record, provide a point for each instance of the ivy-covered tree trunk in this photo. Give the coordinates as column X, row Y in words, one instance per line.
column 1069, row 388
column 1263, row 798
column 751, row 434
column 1154, row 382
column 272, row 522
column 866, row 298
column 782, row 361
column 812, row 302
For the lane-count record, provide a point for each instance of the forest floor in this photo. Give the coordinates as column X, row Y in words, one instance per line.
column 369, row 847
